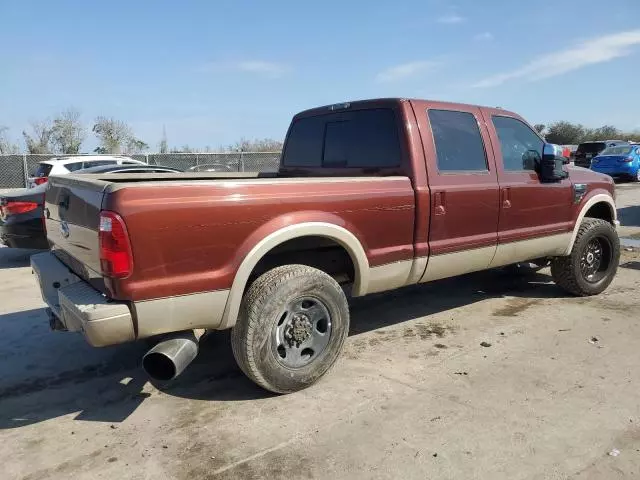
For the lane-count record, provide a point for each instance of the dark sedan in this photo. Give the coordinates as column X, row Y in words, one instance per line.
column 21, row 219
column 21, row 212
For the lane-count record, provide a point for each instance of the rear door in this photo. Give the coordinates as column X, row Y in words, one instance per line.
column 535, row 217
column 464, row 189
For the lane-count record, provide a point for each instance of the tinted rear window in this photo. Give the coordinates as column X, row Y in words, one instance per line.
column 590, row 147
column 458, row 142
column 98, row 163
column 361, row 138
column 72, row 167
column 621, row 150
column 43, row 170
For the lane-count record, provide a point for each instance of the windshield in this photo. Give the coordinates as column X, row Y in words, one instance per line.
column 620, row 150
column 594, row 147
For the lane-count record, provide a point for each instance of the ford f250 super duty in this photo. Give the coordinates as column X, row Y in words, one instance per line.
column 370, row 196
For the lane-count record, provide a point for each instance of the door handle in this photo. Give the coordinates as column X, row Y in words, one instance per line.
column 506, row 197
column 439, row 203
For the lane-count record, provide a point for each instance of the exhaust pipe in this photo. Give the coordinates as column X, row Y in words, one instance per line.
column 169, row 358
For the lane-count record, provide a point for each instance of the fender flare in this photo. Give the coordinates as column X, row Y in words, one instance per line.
column 598, row 198
column 318, row 229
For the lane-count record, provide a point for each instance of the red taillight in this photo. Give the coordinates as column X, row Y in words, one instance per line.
column 627, row 160
column 40, row 180
column 15, row 208
column 115, row 250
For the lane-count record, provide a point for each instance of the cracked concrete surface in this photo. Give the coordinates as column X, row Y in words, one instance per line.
column 415, row 395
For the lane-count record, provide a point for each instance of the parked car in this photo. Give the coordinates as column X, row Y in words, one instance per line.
column 620, row 161
column 21, row 212
column 588, row 150
column 64, row 165
column 21, row 218
column 370, row 196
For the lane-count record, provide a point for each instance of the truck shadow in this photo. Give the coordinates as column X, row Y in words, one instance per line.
column 112, row 389
column 629, row 216
column 15, row 257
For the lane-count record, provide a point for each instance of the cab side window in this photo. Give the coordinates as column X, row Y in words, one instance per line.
column 517, row 143
column 459, row 146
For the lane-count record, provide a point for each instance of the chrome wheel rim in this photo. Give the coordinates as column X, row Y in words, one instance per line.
column 302, row 332
column 595, row 259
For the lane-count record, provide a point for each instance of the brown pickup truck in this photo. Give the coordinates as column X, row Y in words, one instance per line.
column 370, row 196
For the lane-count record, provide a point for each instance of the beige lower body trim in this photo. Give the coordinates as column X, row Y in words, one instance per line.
column 513, row 252
column 389, row 276
column 458, row 263
column 186, row 312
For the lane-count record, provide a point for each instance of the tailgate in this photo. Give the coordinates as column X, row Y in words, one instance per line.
column 72, row 216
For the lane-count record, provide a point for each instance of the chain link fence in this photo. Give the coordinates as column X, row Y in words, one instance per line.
column 15, row 170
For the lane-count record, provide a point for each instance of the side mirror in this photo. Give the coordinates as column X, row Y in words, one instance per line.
column 552, row 163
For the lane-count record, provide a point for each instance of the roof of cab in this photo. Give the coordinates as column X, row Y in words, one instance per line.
column 384, row 103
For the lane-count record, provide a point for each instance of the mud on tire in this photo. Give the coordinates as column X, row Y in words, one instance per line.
column 593, row 261
column 282, row 314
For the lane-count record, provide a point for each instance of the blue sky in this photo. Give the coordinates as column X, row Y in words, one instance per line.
column 215, row 71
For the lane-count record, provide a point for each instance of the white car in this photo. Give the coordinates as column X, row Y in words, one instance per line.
column 64, row 165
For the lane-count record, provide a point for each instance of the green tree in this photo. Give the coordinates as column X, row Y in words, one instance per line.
column 116, row 136
column 565, row 133
column 7, row 147
column 256, row 145
column 540, row 128
column 135, row 145
column 39, row 141
column 606, row 132
column 68, row 133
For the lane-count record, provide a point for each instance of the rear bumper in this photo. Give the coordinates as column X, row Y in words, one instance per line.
column 615, row 171
column 27, row 234
column 79, row 307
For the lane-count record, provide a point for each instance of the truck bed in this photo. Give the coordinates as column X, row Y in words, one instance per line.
column 190, row 231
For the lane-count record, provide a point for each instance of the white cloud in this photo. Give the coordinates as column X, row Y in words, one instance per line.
column 405, row 71
column 256, row 67
column 484, row 36
column 590, row 52
column 451, row 19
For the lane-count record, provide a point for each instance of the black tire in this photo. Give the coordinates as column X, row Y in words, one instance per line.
column 265, row 305
column 568, row 272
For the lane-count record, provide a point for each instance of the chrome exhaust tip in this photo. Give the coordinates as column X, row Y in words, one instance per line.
column 170, row 357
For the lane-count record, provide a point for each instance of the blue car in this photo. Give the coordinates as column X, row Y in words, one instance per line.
column 619, row 161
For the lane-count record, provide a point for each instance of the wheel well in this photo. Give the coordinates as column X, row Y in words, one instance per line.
column 601, row 210
column 314, row 251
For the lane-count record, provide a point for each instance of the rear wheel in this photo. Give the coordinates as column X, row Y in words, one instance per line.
column 593, row 261
column 291, row 328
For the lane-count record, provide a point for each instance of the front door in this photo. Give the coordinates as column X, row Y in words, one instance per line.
column 535, row 217
column 463, row 187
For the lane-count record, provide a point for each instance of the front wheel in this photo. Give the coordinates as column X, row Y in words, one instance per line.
column 292, row 326
column 593, row 261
